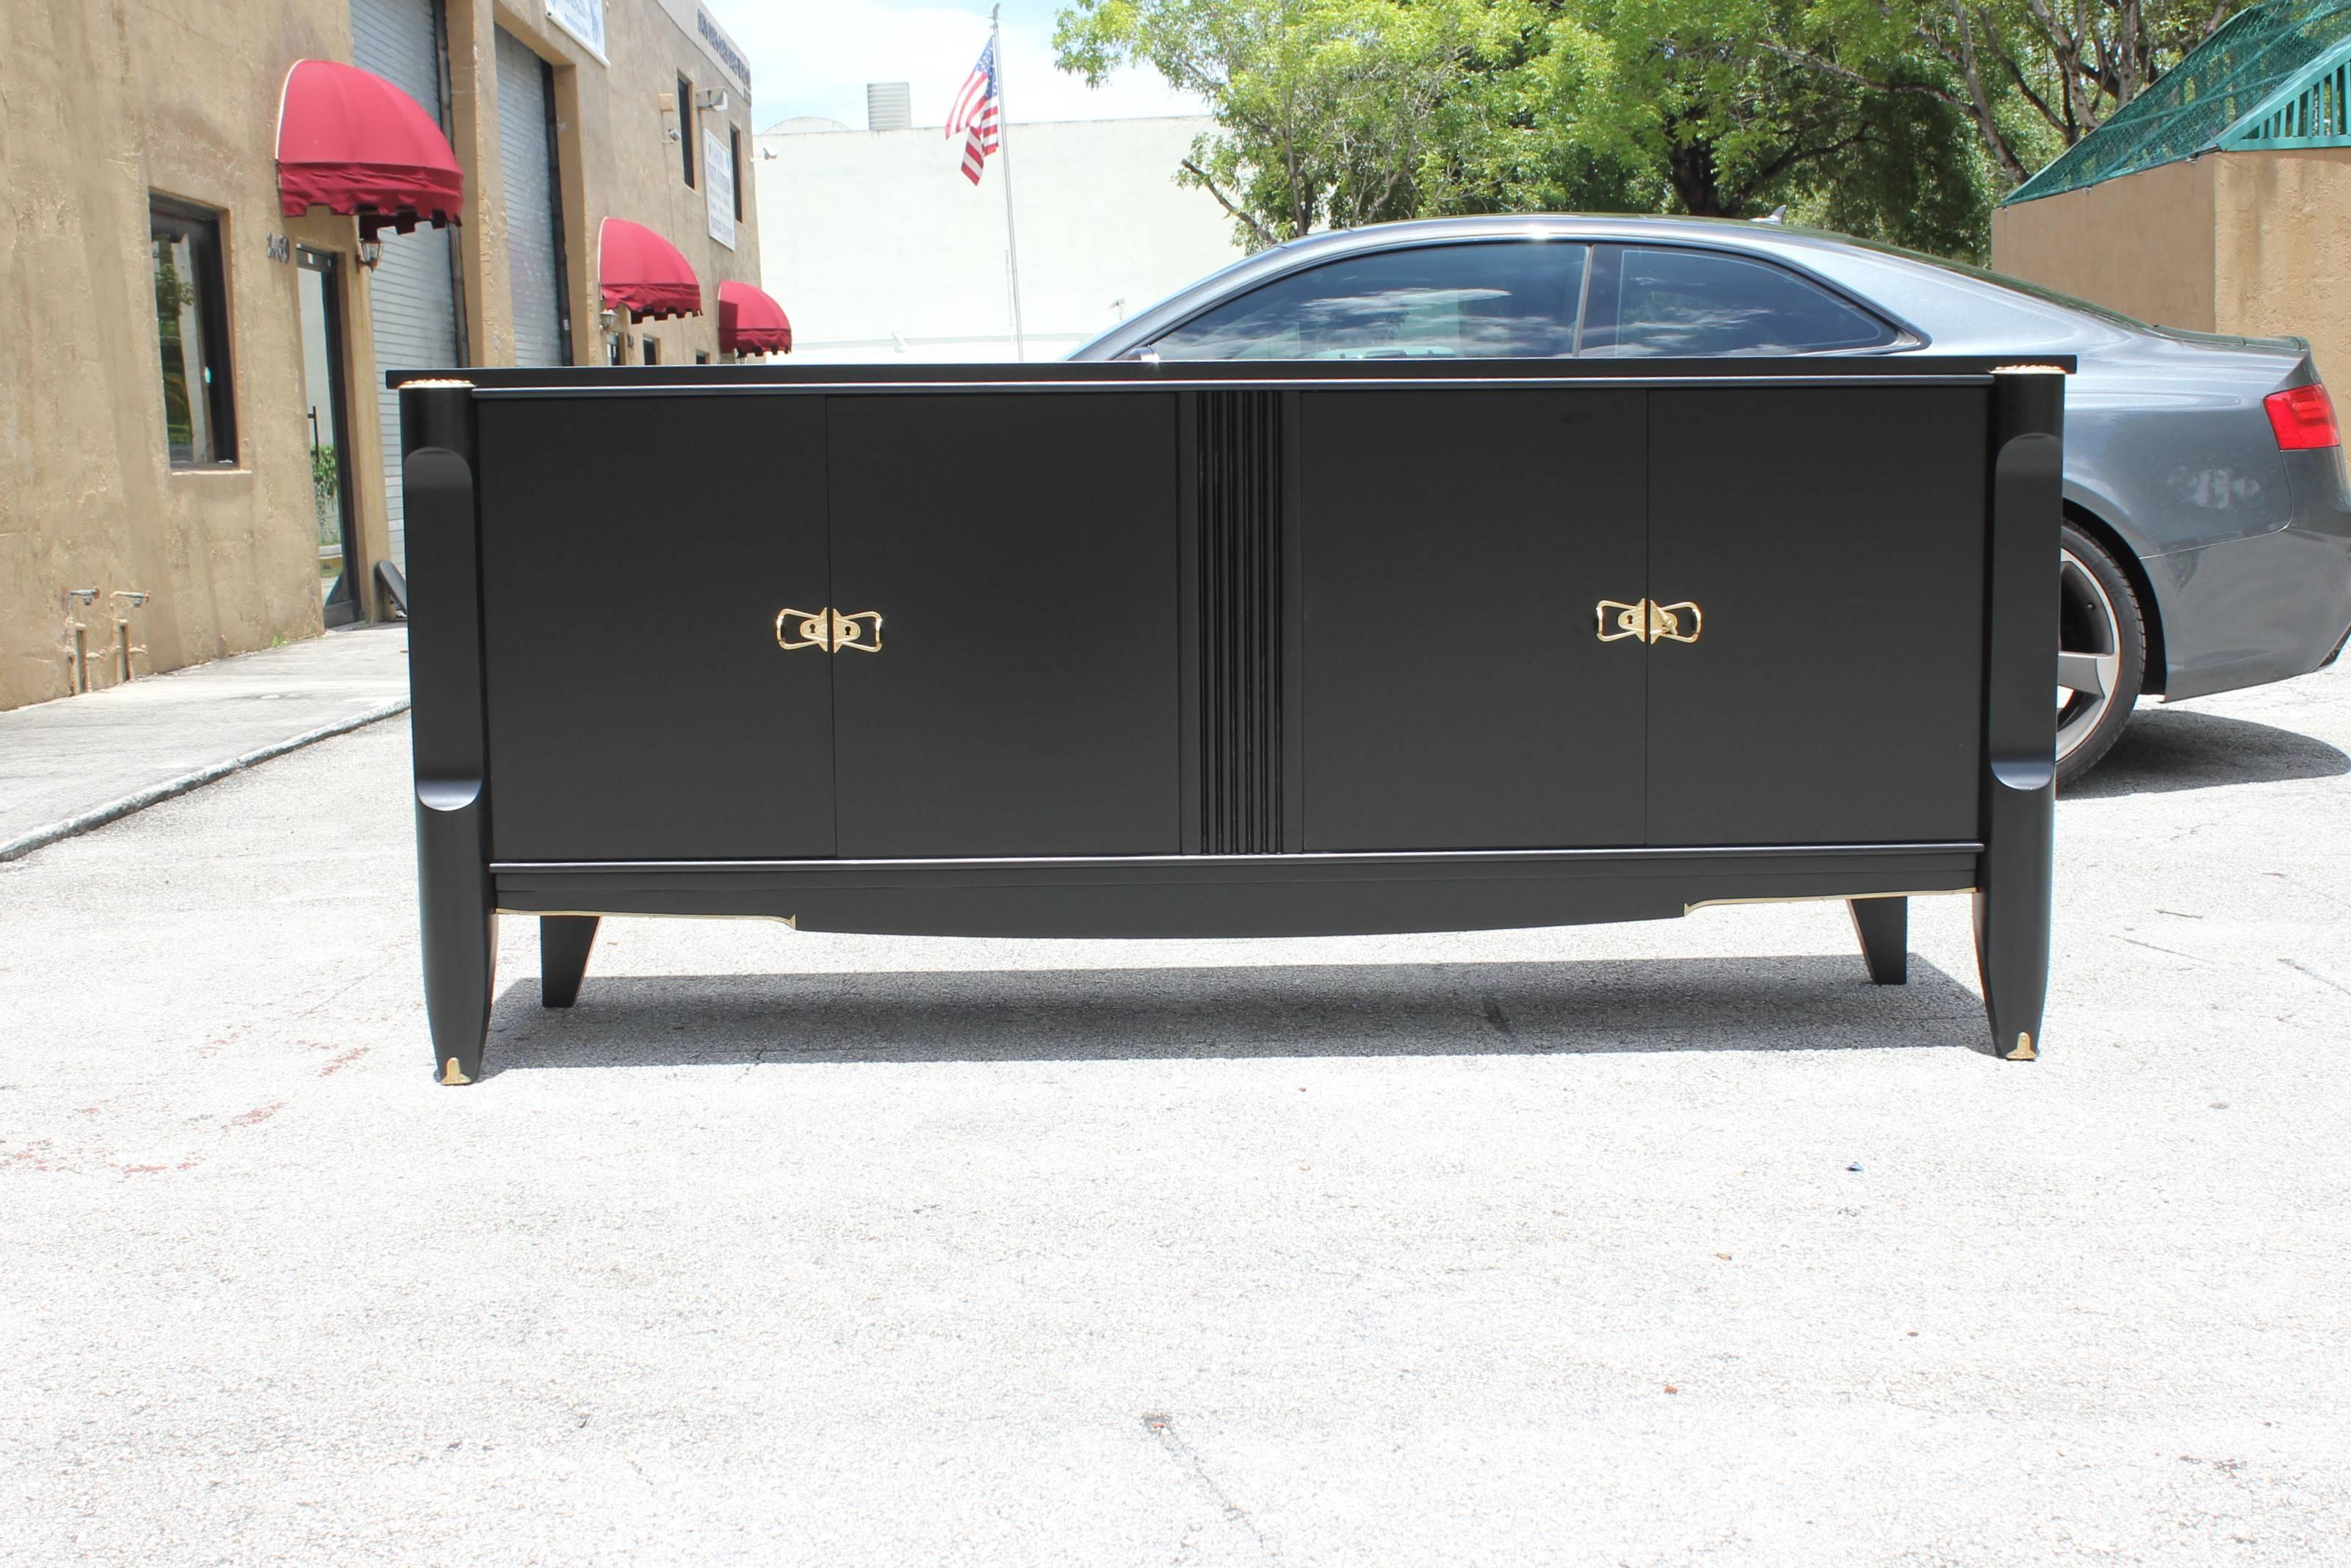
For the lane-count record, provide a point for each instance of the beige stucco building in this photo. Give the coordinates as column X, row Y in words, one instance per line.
column 2219, row 199
column 2252, row 243
column 195, row 409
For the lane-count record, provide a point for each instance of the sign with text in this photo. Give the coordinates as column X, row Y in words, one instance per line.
column 719, row 183
column 583, row 19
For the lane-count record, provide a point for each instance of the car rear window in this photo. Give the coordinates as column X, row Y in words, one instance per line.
column 1707, row 303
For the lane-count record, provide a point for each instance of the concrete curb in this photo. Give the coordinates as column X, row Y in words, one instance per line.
column 98, row 817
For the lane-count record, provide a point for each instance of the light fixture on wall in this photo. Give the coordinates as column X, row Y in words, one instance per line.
column 713, row 99
column 610, row 320
column 371, row 253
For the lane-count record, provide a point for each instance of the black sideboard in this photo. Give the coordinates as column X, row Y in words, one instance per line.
column 1143, row 650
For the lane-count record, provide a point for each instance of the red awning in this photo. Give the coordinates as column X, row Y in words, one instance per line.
column 643, row 274
column 351, row 141
column 750, row 321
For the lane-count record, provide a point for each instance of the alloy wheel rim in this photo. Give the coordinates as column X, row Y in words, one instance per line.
column 2089, row 656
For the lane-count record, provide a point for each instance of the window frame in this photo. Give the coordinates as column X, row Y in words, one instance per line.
column 200, row 226
column 735, row 152
column 1583, row 288
column 1605, row 251
column 686, row 128
column 1607, row 263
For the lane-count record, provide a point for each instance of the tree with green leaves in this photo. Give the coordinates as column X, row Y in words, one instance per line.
column 1899, row 119
column 2032, row 77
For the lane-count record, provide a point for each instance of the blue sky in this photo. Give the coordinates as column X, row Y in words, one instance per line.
column 815, row 57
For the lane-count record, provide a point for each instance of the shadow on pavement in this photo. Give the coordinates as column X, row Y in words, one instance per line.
column 2177, row 748
column 1266, row 1011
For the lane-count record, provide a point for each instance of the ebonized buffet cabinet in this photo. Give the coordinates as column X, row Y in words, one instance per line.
column 1233, row 650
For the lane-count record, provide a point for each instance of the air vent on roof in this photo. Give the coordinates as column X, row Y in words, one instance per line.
column 889, row 106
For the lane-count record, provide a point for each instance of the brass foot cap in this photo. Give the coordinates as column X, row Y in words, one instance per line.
column 449, row 1073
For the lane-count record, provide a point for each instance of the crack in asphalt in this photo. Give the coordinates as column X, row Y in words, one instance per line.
column 1161, row 1426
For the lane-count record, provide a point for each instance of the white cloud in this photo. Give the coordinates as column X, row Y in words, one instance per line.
column 815, row 57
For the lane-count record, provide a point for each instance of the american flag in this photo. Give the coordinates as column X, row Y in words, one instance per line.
column 975, row 112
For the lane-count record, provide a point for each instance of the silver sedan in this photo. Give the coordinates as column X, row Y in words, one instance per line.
column 2208, row 528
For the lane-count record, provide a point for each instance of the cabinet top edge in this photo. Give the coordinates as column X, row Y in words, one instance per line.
column 1273, row 375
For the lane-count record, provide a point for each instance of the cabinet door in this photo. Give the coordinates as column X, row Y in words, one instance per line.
column 1021, row 548
column 1832, row 540
column 634, row 553
column 1454, row 544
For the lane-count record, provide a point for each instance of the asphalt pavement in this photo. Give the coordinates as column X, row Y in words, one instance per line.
column 1643, row 1244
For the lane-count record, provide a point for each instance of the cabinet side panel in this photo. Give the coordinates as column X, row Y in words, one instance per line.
column 1834, row 541
column 634, row 554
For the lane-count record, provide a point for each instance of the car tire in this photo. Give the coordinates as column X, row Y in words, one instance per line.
column 2102, row 652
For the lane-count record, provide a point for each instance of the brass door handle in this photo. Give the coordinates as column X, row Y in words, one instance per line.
column 828, row 629
column 1666, row 621
column 814, row 632
column 1613, row 621
column 851, row 631
column 1631, row 619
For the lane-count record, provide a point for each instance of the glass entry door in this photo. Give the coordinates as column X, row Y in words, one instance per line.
column 316, row 273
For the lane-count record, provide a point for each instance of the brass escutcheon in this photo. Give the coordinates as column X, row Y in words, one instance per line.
column 1646, row 620
column 828, row 629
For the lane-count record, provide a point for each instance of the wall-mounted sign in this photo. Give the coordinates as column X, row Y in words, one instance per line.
column 695, row 20
column 714, row 39
column 584, row 20
column 718, row 183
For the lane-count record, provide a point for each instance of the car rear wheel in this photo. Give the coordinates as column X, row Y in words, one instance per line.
column 2102, row 653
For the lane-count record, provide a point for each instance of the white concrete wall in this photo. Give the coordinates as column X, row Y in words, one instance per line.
column 879, row 249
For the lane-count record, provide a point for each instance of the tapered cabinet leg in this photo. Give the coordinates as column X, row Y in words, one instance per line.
column 460, row 937
column 2013, row 913
column 563, row 944
column 1883, row 926
column 2014, row 875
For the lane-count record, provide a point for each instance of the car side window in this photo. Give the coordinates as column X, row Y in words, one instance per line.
column 1699, row 302
column 1498, row 299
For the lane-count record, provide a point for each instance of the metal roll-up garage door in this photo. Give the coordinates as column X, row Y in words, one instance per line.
column 412, row 293
column 534, row 221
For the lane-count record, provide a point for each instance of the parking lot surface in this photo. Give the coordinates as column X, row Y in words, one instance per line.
column 1645, row 1244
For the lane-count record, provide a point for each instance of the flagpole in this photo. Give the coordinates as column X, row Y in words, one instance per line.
column 1004, row 151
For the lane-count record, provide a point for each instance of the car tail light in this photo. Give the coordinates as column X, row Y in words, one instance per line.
column 2304, row 418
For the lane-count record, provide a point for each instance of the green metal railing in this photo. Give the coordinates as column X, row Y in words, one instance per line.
column 2274, row 76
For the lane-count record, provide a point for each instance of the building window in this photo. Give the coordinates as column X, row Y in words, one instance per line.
column 735, row 160
column 192, row 324
column 685, row 127
column 652, row 349
column 616, row 351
